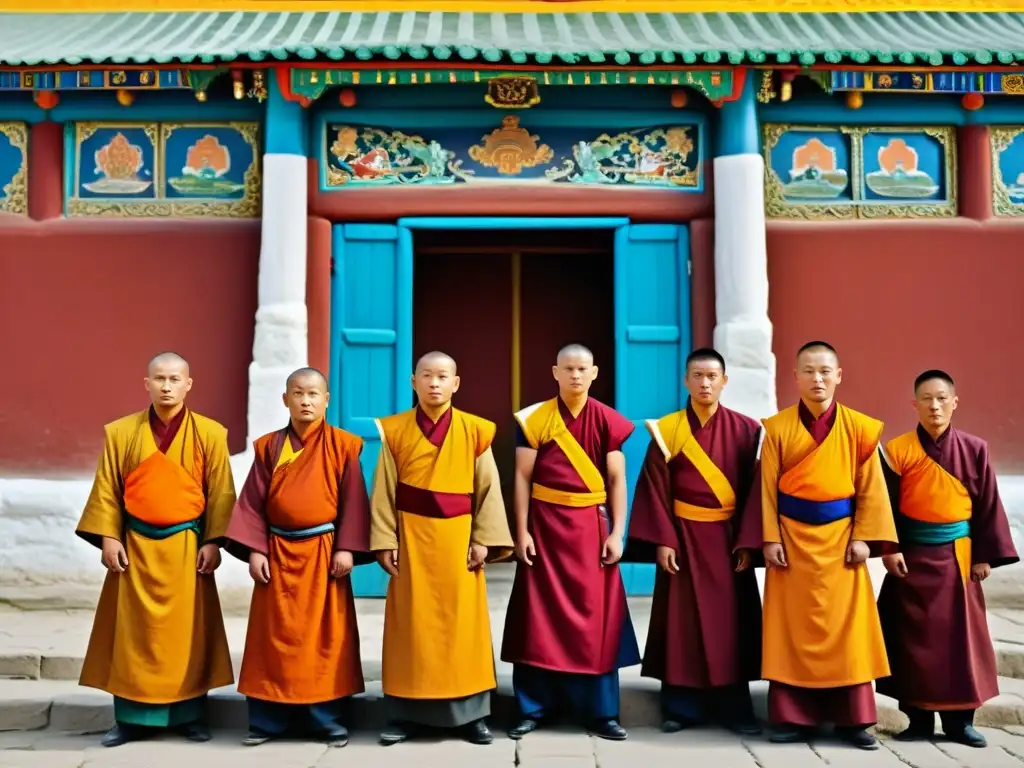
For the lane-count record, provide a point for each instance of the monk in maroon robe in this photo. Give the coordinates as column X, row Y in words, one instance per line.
column 953, row 531
column 704, row 641
column 568, row 630
column 302, row 522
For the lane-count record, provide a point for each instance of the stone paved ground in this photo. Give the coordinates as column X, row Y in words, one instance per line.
column 646, row 748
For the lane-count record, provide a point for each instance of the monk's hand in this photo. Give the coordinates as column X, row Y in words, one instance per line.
column 525, row 548
column 209, row 559
column 666, row 559
column 742, row 560
column 774, row 555
column 980, row 571
column 857, row 552
column 611, row 552
column 259, row 567
column 341, row 564
column 114, row 557
column 895, row 565
column 476, row 556
column 388, row 560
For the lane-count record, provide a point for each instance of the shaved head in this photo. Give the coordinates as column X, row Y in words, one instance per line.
column 574, row 350
column 305, row 373
column 437, row 360
column 818, row 346
column 167, row 358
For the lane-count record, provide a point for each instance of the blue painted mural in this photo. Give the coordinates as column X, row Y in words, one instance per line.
column 1007, row 170
column 154, row 169
column 816, row 172
column 13, row 167
column 661, row 156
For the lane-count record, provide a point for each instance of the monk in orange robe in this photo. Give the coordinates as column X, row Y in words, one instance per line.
column 437, row 517
column 159, row 506
column 825, row 511
column 953, row 531
column 301, row 522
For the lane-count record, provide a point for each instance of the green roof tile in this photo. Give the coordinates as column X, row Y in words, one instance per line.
column 625, row 38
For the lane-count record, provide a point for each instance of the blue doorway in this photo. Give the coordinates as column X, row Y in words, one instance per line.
column 372, row 330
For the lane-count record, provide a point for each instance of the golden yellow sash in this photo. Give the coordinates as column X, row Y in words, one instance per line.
column 288, row 454
column 543, row 423
column 681, row 440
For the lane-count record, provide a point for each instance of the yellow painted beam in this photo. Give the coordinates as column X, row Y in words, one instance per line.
column 514, row 6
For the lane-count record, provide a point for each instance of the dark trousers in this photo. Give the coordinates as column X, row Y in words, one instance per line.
column 953, row 721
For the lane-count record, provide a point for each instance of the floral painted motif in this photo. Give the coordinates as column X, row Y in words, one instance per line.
column 815, row 175
column 119, row 164
column 662, row 157
column 898, row 174
column 360, row 156
column 510, row 149
column 206, row 163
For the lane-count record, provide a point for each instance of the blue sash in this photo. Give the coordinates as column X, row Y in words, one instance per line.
column 153, row 532
column 814, row 512
column 916, row 532
column 303, row 533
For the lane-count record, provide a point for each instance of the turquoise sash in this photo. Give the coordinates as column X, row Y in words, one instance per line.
column 153, row 532
column 915, row 532
column 303, row 533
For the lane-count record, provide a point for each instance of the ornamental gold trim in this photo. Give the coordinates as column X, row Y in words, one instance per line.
column 1002, row 204
column 15, row 199
column 778, row 207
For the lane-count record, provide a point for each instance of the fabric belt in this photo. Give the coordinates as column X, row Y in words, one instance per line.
column 917, row 532
column 568, row 498
column 164, row 532
column 302, row 533
column 814, row 512
column 701, row 514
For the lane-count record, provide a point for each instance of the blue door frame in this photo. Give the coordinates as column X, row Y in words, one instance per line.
column 372, row 327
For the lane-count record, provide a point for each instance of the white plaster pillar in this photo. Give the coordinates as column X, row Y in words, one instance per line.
column 280, row 344
column 743, row 332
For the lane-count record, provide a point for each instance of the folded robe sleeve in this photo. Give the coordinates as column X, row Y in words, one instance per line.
column 103, row 516
column 383, row 514
column 219, row 486
column 490, row 523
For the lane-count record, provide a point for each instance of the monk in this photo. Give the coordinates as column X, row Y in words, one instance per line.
column 301, row 521
column 704, row 641
column 158, row 508
column 568, row 630
column 825, row 511
column 437, row 516
column 953, row 531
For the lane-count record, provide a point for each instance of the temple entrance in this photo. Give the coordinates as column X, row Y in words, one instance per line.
column 502, row 304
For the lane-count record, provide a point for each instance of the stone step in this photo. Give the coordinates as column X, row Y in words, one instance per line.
column 62, row 706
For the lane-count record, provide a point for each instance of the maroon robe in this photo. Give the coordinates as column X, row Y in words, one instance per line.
column 568, row 612
column 847, row 706
column 935, row 626
column 705, row 628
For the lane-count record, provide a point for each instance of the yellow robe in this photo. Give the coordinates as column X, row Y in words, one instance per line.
column 437, row 629
column 158, row 636
column 821, row 626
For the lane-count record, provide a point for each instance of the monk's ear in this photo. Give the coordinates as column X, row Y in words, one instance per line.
column 412, row 382
column 327, row 397
column 956, row 402
column 839, row 375
column 455, row 384
column 188, row 384
column 554, row 372
column 145, row 383
column 593, row 376
column 284, row 399
column 725, row 379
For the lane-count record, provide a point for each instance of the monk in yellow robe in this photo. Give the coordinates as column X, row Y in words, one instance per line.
column 825, row 511
column 159, row 506
column 301, row 522
column 437, row 517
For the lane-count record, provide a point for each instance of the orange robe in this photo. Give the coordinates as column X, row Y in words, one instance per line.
column 158, row 637
column 433, row 495
column 303, row 501
column 821, row 626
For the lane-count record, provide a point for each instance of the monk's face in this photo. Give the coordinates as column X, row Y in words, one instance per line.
column 306, row 399
column 817, row 375
column 935, row 401
column 435, row 381
column 705, row 380
column 574, row 372
column 168, row 383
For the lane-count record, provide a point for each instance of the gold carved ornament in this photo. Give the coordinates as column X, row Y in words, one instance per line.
column 510, row 149
column 512, row 92
column 15, row 197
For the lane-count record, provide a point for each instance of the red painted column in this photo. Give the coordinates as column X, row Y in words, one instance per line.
column 702, row 282
column 318, row 293
column 974, row 170
column 46, row 171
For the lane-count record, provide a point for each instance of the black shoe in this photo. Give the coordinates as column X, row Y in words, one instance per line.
column 858, row 737
column 969, row 737
column 787, row 734
column 393, row 734
column 477, row 733
column 197, row 732
column 523, row 727
column 916, row 732
column 745, row 727
column 609, row 729
column 120, row 734
column 671, row 726
column 337, row 737
column 255, row 737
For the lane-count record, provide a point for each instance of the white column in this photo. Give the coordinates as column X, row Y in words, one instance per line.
column 743, row 332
